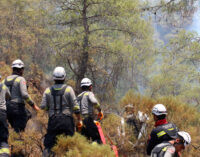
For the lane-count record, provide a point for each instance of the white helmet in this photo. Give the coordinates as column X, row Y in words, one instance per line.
column 17, row 64
column 186, row 137
column 86, row 82
column 59, row 73
column 159, row 109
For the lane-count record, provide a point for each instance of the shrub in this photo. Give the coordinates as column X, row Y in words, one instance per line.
column 79, row 146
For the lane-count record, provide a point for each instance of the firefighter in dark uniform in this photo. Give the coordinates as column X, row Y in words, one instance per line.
column 60, row 102
column 17, row 113
column 163, row 130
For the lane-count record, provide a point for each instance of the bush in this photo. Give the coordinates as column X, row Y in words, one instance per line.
column 79, row 146
column 184, row 116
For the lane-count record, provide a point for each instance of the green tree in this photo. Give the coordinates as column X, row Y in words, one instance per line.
column 178, row 72
column 23, row 31
column 101, row 38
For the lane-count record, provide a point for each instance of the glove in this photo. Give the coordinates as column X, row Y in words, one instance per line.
column 100, row 115
column 79, row 125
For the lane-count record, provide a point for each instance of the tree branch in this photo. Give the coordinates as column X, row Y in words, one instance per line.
column 79, row 20
column 113, row 29
column 157, row 7
column 69, row 63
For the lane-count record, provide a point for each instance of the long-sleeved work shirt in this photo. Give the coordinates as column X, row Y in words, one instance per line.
column 4, row 96
column 88, row 102
column 62, row 102
column 18, row 89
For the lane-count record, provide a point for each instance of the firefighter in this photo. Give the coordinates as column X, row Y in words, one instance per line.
column 88, row 103
column 163, row 131
column 137, row 120
column 17, row 113
column 132, row 119
column 4, row 96
column 173, row 147
column 60, row 102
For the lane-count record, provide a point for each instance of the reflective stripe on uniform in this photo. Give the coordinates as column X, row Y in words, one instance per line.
column 161, row 133
column 17, row 80
column 67, row 90
column 4, row 87
column 47, row 91
column 171, row 129
column 4, row 150
column 164, row 149
column 76, row 108
column 57, row 88
column 86, row 94
column 9, row 79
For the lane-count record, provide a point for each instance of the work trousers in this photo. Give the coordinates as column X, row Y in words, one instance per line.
column 4, row 147
column 90, row 130
column 57, row 125
column 18, row 116
column 3, row 126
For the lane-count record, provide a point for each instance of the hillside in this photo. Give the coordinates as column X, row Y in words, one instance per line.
column 30, row 142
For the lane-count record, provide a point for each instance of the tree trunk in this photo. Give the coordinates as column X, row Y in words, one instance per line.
column 84, row 54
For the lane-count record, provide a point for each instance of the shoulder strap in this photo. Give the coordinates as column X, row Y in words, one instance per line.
column 157, row 149
column 1, row 85
column 59, row 93
column 79, row 99
column 9, row 83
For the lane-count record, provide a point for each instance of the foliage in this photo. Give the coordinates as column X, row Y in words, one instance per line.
column 100, row 39
column 23, row 32
column 185, row 117
column 178, row 73
column 79, row 146
column 113, row 132
column 5, row 70
column 174, row 13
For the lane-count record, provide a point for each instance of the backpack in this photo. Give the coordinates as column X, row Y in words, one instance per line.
column 59, row 93
column 157, row 149
column 79, row 100
column 9, row 83
column 1, row 86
